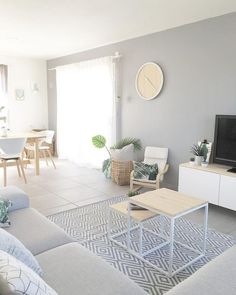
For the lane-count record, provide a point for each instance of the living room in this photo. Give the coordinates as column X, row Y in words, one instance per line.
column 117, row 147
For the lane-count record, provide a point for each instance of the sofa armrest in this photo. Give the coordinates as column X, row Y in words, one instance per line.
column 18, row 197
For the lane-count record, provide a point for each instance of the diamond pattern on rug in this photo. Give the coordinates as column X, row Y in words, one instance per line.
column 88, row 225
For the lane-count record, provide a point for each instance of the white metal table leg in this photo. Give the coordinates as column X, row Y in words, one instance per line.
column 162, row 226
column 205, row 229
column 172, row 233
column 141, row 239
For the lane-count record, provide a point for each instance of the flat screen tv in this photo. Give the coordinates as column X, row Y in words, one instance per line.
column 225, row 140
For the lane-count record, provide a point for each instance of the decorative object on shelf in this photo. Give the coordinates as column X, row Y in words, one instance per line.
column 207, row 149
column 149, row 80
column 202, row 152
column 204, row 164
column 192, row 161
column 20, row 94
column 198, row 151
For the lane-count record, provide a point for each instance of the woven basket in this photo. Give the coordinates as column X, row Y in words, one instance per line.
column 121, row 171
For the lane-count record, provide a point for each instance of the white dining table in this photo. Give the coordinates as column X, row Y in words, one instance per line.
column 34, row 138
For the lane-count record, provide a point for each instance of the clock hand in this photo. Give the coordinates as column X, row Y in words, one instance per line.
column 150, row 82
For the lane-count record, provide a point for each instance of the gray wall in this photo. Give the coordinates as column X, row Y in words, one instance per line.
column 199, row 64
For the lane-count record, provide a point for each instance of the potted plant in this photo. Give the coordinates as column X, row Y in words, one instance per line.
column 198, row 153
column 99, row 141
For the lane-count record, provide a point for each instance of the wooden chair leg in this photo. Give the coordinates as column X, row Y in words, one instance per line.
column 27, row 157
column 5, row 172
column 22, row 170
column 50, row 155
column 45, row 157
column 18, row 167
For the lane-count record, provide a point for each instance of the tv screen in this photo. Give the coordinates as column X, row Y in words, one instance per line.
column 225, row 140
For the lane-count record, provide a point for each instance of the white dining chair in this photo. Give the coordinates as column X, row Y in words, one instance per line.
column 44, row 149
column 11, row 150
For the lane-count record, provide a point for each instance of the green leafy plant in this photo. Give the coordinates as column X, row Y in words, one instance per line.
column 200, row 150
column 99, row 141
column 126, row 141
column 133, row 193
column 197, row 150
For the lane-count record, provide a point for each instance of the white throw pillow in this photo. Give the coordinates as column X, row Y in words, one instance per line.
column 17, row 278
column 124, row 154
column 13, row 246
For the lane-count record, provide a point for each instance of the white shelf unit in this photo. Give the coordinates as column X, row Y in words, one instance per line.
column 212, row 183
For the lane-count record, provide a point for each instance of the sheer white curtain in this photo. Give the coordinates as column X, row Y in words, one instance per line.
column 85, row 107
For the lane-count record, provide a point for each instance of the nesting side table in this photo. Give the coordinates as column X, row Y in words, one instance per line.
column 164, row 202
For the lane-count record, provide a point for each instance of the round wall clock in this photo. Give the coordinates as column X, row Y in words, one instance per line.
column 149, row 80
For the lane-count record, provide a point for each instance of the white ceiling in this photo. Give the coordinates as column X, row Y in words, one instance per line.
column 51, row 28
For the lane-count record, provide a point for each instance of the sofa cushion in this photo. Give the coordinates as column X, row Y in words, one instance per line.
column 35, row 231
column 72, row 269
column 124, row 154
column 17, row 278
column 215, row 278
column 14, row 247
column 18, row 197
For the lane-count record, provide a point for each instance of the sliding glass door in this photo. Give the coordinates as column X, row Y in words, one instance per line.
column 85, row 107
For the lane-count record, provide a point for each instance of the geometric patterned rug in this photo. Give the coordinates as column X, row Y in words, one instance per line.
column 88, row 225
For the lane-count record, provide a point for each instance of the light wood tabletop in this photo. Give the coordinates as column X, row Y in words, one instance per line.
column 167, row 202
column 138, row 215
column 22, row 135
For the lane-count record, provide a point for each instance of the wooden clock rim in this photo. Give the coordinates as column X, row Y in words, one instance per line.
column 137, row 75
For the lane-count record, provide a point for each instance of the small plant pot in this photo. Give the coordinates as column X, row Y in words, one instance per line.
column 204, row 164
column 198, row 160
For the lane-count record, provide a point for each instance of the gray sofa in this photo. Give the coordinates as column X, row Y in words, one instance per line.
column 72, row 270
column 67, row 267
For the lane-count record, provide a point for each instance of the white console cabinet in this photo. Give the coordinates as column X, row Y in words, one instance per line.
column 212, row 183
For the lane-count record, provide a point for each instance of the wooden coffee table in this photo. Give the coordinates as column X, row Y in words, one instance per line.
column 170, row 204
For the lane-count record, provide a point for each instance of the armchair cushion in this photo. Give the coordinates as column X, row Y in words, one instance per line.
column 144, row 171
column 156, row 155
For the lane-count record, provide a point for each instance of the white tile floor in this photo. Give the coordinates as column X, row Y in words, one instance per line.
column 70, row 186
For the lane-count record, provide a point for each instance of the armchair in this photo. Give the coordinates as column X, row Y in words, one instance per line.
column 152, row 155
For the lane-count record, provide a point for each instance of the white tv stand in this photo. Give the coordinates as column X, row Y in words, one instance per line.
column 212, row 183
